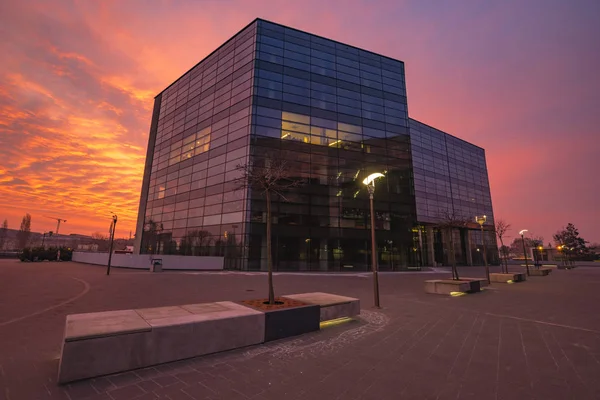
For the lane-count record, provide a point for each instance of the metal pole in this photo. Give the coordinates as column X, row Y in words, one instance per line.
column 525, row 254
column 371, row 189
column 487, row 268
column 112, row 238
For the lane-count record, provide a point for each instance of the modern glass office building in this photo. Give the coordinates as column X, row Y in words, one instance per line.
column 335, row 114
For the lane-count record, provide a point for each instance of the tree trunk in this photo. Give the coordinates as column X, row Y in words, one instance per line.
column 503, row 258
column 453, row 258
column 269, row 256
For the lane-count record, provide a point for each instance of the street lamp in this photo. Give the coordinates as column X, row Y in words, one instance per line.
column 113, row 226
column 541, row 255
column 481, row 220
column 522, row 233
column 369, row 181
column 561, row 249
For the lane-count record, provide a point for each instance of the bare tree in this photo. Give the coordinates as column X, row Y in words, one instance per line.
column 151, row 236
column 448, row 221
column 271, row 177
column 24, row 232
column 197, row 240
column 501, row 227
column 99, row 236
column 3, row 234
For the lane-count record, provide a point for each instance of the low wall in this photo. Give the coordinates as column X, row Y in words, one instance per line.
column 142, row 261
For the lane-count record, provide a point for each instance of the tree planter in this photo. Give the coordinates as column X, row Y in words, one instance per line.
column 479, row 281
column 287, row 317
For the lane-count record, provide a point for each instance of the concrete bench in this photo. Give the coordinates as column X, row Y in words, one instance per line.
column 104, row 343
column 332, row 306
column 511, row 276
column 539, row 271
column 566, row 266
column 446, row 286
column 107, row 342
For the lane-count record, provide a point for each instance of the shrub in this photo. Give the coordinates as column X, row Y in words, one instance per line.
column 42, row 254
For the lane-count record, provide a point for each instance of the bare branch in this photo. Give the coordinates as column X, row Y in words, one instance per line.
column 271, row 175
column 501, row 228
column 450, row 219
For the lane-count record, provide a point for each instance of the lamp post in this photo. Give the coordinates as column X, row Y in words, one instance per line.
column 369, row 181
column 522, row 233
column 559, row 248
column 113, row 226
column 481, row 220
column 540, row 256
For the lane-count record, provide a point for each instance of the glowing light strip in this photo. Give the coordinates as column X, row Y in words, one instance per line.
column 456, row 294
column 333, row 322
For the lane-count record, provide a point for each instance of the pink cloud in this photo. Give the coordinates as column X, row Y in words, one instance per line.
column 517, row 78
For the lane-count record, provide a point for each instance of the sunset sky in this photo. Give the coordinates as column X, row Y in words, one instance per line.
column 520, row 78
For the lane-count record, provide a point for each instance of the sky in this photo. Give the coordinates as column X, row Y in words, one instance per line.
column 518, row 78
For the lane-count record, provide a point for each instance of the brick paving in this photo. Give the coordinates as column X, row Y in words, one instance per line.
column 534, row 340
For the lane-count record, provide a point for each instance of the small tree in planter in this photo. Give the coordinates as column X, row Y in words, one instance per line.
column 501, row 228
column 448, row 221
column 271, row 177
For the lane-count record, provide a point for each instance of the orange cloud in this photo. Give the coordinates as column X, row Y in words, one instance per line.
column 78, row 79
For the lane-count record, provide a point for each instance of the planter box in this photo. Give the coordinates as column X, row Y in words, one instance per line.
column 503, row 278
column 482, row 282
column 288, row 322
column 290, row 318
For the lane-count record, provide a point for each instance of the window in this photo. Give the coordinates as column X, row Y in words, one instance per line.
column 202, row 145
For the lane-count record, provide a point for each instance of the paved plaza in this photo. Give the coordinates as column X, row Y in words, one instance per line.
column 534, row 340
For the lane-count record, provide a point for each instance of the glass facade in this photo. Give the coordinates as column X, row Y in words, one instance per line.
column 336, row 114
column 450, row 176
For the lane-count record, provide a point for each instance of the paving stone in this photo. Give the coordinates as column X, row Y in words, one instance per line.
column 148, row 386
column 102, row 384
column 198, row 391
column 538, row 339
column 80, row 390
column 166, row 380
column 124, row 379
column 126, row 392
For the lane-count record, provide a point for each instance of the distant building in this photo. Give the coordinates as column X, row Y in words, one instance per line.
column 336, row 113
column 87, row 247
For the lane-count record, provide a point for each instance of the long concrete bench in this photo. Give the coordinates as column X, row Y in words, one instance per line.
column 107, row 342
column 332, row 306
column 511, row 276
column 103, row 343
